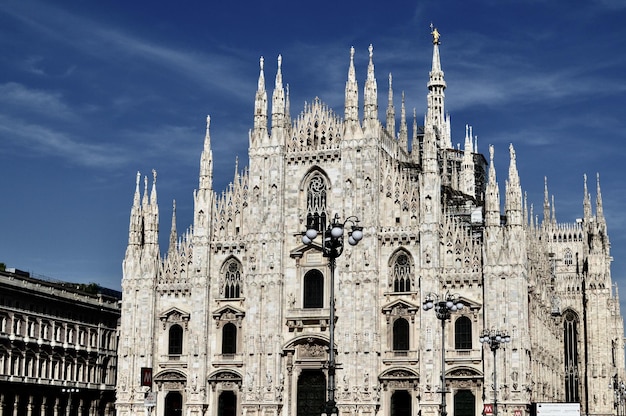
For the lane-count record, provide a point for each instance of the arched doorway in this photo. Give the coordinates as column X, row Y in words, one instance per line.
column 311, row 392
column 464, row 403
column 173, row 404
column 227, row 404
column 401, row 403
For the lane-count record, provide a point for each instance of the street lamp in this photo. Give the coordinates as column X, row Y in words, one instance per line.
column 494, row 338
column 69, row 391
column 444, row 306
column 332, row 247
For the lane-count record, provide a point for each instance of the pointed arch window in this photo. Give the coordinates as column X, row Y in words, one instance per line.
column 401, row 273
column 463, row 333
column 570, row 327
column 568, row 258
column 233, row 272
column 316, row 202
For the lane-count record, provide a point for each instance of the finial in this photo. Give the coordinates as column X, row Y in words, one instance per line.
column 154, row 175
column 280, row 61
column 371, row 49
column 208, row 121
column 261, row 60
column 435, row 33
column 351, row 52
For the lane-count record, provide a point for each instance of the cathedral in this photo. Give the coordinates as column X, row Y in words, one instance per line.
column 450, row 298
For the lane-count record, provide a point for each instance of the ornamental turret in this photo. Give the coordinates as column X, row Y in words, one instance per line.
column 259, row 135
column 370, row 97
column 278, row 108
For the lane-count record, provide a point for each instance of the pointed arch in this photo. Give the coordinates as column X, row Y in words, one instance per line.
column 401, row 271
column 315, row 188
column 232, row 278
column 571, row 322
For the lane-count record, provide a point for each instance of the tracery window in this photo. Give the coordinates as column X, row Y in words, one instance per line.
column 570, row 328
column 316, row 202
column 233, row 272
column 463, row 333
column 401, row 274
column 568, row 258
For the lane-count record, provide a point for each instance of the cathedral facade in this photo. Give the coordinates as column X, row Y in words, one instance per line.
column 235, row 318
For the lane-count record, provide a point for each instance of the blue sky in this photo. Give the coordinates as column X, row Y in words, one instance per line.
column 93, row 91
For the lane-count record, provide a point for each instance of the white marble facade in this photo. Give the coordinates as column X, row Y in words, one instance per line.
column 233, row 318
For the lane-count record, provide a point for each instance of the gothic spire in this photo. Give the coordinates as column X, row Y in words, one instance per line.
column 151, row 214
column 278, row 105
column 546, row 202
column 206, row 159
column 586, row 202
column 173, row 234
column 287, row 107
column 144, row 199
column 599, row 209
column 352, row 93
column 467, row 167
column 135, row 229
column 370, row 93
column 513, row 202
column 260, row 108
column 391, row 111
column 414, row 139
column 435, row 116
column 492, row 197
column 404, row 134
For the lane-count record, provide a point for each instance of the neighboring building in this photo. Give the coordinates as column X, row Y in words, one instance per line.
column 234, row 318
column 58, row 347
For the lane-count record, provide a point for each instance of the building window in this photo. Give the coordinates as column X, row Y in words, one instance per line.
column 463, row 333
column 316, row 203
column 570, row 327
column 232, row 279
column 568, row 258
column 313, row 289
column 31, row 329
column 229, row 339
column 401, row 273
column 401, row 335
column 175, row 345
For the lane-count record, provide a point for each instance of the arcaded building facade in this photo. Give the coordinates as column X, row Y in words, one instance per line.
column 233, row 318
column 58, row 347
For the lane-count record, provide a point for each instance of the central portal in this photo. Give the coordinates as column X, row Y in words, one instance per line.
column 311, row 393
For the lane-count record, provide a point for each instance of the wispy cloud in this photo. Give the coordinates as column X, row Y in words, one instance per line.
column 16, row 96
column 39, row 141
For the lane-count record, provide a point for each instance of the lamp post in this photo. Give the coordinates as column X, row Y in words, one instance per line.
column 332, row 247
column 444, row 306
column 69, row 391
column 494, row 338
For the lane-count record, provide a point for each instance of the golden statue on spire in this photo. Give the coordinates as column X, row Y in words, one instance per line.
column 435, row 33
